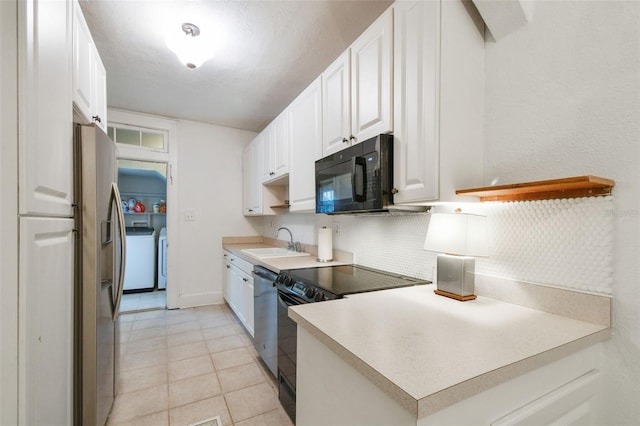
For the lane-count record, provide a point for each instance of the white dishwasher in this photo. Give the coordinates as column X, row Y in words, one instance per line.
column 140, row 268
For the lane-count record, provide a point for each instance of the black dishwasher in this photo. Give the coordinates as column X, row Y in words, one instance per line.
column 265, row 305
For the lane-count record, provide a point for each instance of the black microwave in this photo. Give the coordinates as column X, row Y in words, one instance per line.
column 357, row 179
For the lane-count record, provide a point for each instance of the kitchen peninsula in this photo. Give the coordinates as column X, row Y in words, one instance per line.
column 407, row 356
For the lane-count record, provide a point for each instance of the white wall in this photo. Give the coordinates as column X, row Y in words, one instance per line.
column 562, row 99
column 209, row 184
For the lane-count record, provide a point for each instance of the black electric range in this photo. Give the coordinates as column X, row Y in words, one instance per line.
column 309, row 285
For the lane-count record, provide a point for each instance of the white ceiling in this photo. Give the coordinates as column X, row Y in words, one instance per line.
column 267, row 52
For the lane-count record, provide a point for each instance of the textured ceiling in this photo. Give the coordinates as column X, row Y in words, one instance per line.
column 266, row 53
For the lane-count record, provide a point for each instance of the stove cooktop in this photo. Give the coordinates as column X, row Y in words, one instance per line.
column 350, row 279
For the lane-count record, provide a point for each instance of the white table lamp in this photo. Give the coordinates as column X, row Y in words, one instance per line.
column 458, row 238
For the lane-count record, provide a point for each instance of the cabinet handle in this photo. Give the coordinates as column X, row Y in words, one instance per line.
column 250, row 210
column 245, row 280
column 352, row 138
column 97, row 119
column 345, row 140
column 228, row 267
column 394, row 190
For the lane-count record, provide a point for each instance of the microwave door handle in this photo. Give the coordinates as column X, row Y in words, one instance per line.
column 358, row 179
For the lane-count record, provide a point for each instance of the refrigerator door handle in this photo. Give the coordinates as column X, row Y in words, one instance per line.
column 115, row 199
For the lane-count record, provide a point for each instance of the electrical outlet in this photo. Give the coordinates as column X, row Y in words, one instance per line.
column 189, row 215
column 336, row 228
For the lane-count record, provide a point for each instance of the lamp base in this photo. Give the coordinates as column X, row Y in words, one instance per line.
column 456, row 274
column 455, row 296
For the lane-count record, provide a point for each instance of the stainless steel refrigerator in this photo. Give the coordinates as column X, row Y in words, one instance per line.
column 99, row 271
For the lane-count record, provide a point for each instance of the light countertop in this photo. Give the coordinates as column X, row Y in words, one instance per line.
column 281, row 263
column 428, row 351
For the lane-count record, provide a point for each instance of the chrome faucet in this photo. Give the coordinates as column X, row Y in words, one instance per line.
column 295, row 246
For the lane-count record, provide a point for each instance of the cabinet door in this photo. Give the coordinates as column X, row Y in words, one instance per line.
column 83, row 64
column 371, row 80
column 247, row 303
column 268, row 139
column 305, row 127
column 45, row 114
column 252, row 177
column 247, row 179
column 99, row 113
column 235, row 291
column 258, row 153
column 46, row 320
column 416, row 75
column 225, row 278
column 336, row 105
column 280, row 146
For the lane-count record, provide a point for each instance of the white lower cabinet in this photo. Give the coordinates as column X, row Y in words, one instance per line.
column 238, row 289
column 46, row 321
column 562, row 392
column 305, row 127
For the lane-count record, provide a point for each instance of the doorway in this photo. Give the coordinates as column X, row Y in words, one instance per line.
column 143, row 188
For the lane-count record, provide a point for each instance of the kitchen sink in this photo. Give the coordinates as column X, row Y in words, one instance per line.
column 273, row 252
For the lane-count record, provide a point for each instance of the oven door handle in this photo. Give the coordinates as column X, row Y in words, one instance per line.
column 359, row 179
column 286, row 300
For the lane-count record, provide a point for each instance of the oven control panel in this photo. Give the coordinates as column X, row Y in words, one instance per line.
column 305, row 291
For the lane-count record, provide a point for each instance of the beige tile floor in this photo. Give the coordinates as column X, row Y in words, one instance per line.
column 184, row 366
column 132, row 302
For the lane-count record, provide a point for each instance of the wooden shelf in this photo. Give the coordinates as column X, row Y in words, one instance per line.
column 280, row 206
column 573, row 187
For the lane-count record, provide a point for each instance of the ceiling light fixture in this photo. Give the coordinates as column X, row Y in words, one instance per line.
column 190, row 49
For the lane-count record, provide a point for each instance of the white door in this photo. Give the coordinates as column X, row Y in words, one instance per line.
column 305, row 127
column 336, row 105
column 83, row 64
column 416, row 91
column 371, row 80
column 45, row 113
column 46, row 321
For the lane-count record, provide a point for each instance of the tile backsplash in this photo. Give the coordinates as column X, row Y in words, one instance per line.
column 565, row 242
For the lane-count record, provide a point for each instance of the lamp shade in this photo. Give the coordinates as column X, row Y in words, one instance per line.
column 457, row 233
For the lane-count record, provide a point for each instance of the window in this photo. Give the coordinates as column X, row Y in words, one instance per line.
column 151, row 139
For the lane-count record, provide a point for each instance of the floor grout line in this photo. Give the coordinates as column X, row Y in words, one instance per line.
column 203, row 316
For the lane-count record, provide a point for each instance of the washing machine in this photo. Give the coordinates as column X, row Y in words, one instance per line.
column 139, row 273
column 162, row 259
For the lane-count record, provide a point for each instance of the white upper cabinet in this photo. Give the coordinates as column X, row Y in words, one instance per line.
column 305, row 130
column 276, row 148
column 336, row 105
column 357, row 90
column 439, row 100
column 371, row 80
column 89, row 75
column 45, row 116
column 252, row 158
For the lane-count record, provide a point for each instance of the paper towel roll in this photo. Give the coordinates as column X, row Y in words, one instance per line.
column 325, row 244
